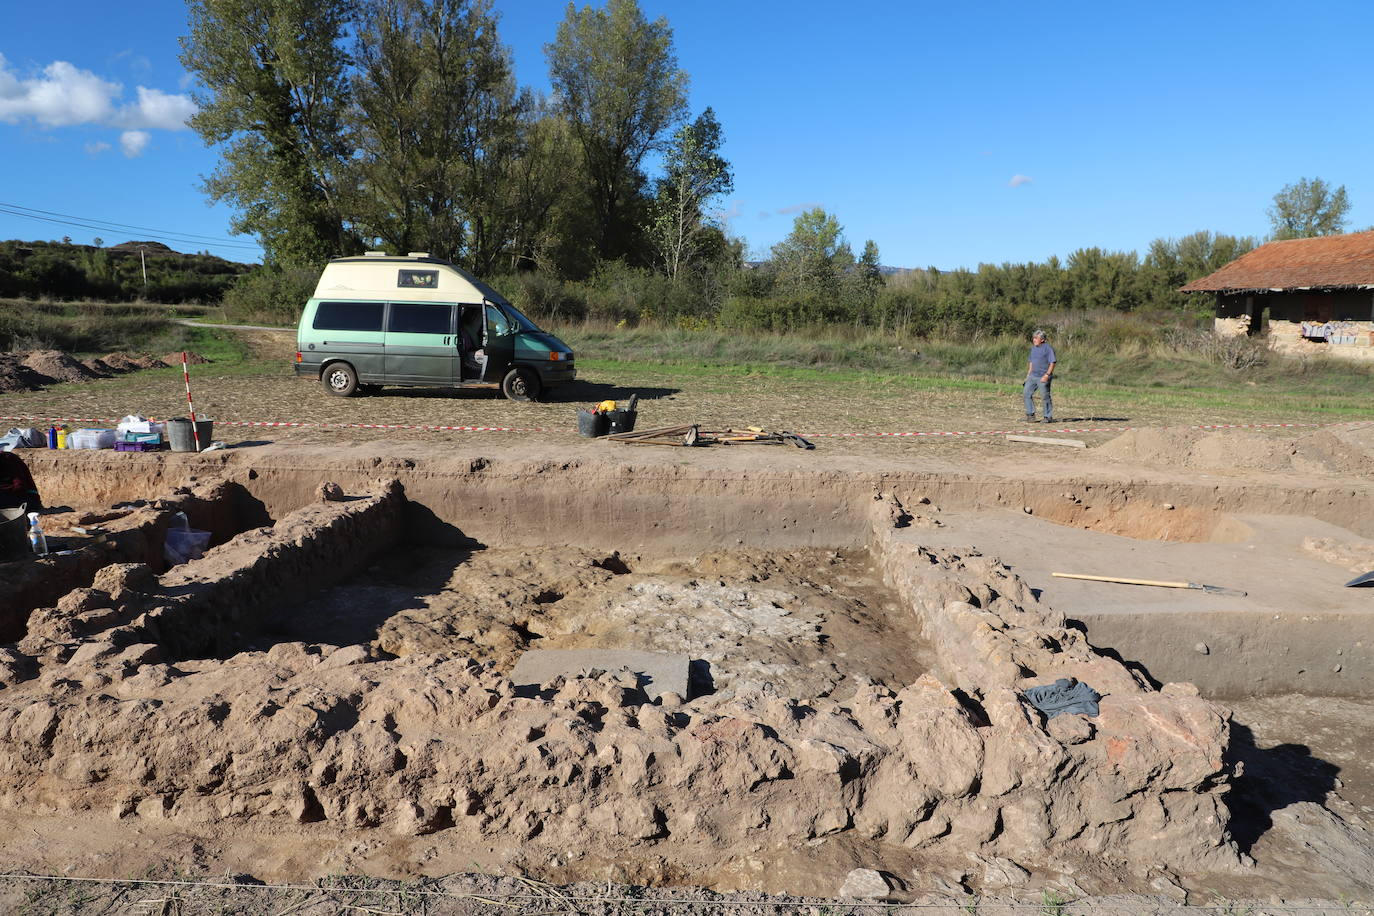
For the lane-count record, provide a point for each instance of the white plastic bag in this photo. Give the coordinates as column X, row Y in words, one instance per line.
column 184, row 543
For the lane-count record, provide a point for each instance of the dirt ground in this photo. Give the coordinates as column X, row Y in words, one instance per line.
column 859, row 416
column 804, row 621
column 801, row 619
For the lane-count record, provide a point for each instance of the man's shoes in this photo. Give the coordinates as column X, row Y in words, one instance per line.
column 1046, row 420
column 1030, row 418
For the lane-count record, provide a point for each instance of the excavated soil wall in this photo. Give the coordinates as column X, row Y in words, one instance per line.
column 432, row 748
column 698, row 506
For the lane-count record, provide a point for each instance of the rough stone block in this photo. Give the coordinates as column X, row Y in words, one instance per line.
column 658, row 673
column 865, row 884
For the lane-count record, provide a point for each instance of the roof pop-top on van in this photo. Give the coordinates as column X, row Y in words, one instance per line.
column 416, row 276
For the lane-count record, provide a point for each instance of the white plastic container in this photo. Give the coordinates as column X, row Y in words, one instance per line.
column 91, row 438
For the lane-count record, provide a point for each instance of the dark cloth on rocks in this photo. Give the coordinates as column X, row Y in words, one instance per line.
column 1064, row 695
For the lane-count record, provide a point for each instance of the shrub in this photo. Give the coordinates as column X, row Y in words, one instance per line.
column 269, row 295
column 541, row 295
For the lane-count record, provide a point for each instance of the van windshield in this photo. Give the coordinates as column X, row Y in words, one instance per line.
column 519, row 318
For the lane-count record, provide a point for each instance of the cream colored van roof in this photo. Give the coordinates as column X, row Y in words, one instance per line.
column 379, row 277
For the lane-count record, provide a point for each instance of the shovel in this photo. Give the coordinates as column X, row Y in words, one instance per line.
column 1213, row 589
column 1364, row 580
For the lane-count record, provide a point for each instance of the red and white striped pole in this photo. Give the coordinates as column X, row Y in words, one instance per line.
column 186, row 374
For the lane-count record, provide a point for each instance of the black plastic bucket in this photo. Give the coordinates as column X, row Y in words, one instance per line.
column 183, row 437
column 591, row 424
column 622, row 421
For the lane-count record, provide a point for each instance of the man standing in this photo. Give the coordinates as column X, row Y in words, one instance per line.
column 1039, row 375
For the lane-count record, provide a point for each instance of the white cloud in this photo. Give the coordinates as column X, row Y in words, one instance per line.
column 63, row 95
column 60, row 97
column 95, row 149
column 133, row 142
column 156, row 109
column 1018, row 180
column 796, row 208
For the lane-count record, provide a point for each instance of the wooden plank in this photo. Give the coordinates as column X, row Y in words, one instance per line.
column 1041, row 440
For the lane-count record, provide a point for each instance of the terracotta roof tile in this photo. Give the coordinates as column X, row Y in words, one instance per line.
column 1324, row 262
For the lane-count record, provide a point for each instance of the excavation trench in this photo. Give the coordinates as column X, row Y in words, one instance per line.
column 1295, row 631
column 341, row 664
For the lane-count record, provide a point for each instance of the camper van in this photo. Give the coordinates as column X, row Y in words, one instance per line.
column 380, row 319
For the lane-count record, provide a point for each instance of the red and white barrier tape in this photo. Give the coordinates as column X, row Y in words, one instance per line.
column 294, row 424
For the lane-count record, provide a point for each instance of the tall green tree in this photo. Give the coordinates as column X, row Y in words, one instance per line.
column 273, row 94
column 814, row 255
column 616, row 79
column 1171, row 263
column 694, row 173
column 437, row 120
column 1309, row 208
column 551, row 225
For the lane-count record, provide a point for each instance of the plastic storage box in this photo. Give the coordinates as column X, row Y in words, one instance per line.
column 91, row 438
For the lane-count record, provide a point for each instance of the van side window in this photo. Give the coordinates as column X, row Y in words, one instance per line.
column 418, row 279
column 420, row 318
column 348, row 316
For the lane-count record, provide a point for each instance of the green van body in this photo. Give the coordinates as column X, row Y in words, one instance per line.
column 381, row 319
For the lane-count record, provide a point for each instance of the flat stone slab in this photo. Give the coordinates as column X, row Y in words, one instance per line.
column 658, row 672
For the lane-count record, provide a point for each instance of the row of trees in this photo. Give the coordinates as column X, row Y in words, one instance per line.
column 345, row 124
column 149, row 271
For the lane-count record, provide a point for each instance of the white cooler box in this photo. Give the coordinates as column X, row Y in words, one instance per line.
column 91, row 438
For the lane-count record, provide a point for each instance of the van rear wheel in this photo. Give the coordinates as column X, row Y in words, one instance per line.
column 520, row 385
column 340, row 379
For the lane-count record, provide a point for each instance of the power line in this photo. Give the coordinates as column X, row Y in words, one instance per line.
column 189, row 235
column 106, row 226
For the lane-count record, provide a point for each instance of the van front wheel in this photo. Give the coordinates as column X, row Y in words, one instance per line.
column 520, row 385
column 340, row 379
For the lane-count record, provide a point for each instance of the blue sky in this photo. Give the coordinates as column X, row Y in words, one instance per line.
column 951, row 134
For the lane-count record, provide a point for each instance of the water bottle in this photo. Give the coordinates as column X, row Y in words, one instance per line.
column 37, row 541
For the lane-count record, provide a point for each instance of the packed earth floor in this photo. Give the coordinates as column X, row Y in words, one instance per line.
column 327, row 691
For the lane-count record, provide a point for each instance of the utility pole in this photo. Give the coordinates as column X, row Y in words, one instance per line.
column 144, row 264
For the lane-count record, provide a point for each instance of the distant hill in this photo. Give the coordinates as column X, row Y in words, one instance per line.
column 64, row 270
column 146, row 247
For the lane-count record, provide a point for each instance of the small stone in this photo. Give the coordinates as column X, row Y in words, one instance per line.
column 1028, row 510
column 1070, row 729
column 1337, row 669
column 1168, row 505
column 1000, row 872
column 865, row 883
column 329, row 492
column 1202, row 649
column 1169, row 888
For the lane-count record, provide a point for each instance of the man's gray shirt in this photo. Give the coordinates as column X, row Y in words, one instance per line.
column 1041, row 355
